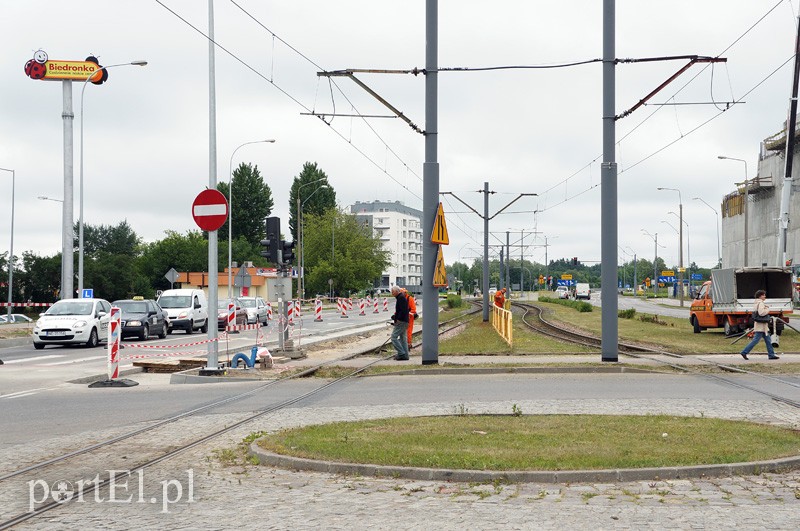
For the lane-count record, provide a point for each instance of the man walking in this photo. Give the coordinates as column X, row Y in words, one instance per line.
column 400, row 320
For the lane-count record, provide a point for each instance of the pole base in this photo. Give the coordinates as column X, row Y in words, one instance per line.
column 120, row 382
column 207, row 371
column 610, row 359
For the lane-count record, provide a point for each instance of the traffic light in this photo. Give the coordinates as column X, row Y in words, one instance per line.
column 272, row 243
column 575, row 261
column 288, row 252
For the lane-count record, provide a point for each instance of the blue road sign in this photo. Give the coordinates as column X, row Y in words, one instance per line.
column 666, row 280
column 697, row 276
column 566, row 282
column 87, row 293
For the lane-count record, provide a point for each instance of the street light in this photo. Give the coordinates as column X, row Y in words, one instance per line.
column 11, row 249
column 43, row 198
column 301, row 279
column 655, row 259
column 746, row 200
column 680, row 237
column 716, row 220
column 80, row 216
column 688, row 248
column 230, row 210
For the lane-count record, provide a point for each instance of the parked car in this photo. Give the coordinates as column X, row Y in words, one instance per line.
column 15, row 318
column 256, row 310
column 222, row 313
column 71, row 322
column 141, row 317
column 562, row 292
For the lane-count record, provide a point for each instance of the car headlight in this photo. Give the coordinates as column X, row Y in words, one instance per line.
column 79, row 324
column 183, row 315
column 134, row 323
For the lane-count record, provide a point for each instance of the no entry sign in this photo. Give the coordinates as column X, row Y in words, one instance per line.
column 210, row 210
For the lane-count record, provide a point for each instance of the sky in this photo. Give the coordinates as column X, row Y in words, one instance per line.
column 146, row 131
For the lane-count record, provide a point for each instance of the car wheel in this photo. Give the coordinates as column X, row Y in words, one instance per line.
column 204, row 329
column 695, row 325
column 169, row 331
column 729, row 329
column 164, row 331
column 93, row 339
column 145, row 333
column 38, row 346
column 190, row 328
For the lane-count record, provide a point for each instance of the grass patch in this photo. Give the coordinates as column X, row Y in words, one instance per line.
column 537, row 442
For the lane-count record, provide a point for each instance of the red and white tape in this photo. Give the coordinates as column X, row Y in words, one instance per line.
column 26, row 304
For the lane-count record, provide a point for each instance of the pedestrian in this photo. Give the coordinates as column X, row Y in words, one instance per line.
column 412, row 314
column 500, row 298
column 400, row 322
column 760, row 328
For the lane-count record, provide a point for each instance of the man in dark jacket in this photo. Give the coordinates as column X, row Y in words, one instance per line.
column 400, row 320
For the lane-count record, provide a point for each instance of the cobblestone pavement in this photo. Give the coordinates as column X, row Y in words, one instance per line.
column 227, row 492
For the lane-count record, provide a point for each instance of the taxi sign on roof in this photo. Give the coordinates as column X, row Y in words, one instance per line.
column 439, row 234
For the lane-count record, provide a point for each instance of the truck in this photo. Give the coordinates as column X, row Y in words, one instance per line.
column 582, row 291
column 727, row 299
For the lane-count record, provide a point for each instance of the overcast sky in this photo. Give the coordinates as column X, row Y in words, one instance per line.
column 146, row 130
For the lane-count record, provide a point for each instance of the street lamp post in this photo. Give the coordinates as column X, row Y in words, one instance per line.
column 230, row 210
column 716, row 220
column 80, row 215
column 635, row 268
column 11, row 249
column 655, row 259
column 688, row 248
column 746, row 200
column 301, row 279
column 680, row 237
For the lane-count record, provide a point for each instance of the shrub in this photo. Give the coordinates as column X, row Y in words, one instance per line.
column 454, row 301
column 627, row 314
column 652, row 319
column 581, row 306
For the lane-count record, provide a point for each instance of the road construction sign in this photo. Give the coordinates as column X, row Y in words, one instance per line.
column 439, row 234
column 440, row 273
column 668, row 273
column 566, row 276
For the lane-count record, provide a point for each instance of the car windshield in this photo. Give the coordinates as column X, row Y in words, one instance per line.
column 222, row 304
column 70, row 308
column 175, row 301
column 248, row 303
column 132, row 307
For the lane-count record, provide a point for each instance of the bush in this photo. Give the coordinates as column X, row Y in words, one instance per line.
column 454, row 301
column 652, row 319
column 627, row 314
column 581, row 306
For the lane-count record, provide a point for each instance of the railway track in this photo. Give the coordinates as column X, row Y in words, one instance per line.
column 533, row 317
column 111, row 454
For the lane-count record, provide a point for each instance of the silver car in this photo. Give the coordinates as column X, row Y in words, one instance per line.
column 256, row 310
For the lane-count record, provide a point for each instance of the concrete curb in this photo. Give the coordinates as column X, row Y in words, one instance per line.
column 524, row 476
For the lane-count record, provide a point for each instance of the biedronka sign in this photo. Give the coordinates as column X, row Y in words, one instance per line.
column 41, row 68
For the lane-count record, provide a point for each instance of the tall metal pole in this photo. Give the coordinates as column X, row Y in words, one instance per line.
column 11, row 249
column 485, row 252
column 521, row 262
column 430, row 187
column 213, row 260
column 608, row 180
column 67, row 242
column 508, row 264
column 786, row 191
column 680, row 267
column 655, row 259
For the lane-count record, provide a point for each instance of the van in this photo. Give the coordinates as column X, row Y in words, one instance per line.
column 582, row 291
column 187, row 309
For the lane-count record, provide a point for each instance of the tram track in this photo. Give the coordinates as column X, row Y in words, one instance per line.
column 53, row 468
column 539, row 323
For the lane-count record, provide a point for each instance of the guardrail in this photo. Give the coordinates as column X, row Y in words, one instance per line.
column 502, row 321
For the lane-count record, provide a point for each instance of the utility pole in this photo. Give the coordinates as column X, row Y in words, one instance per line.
column 786, row 191
column 508, row 265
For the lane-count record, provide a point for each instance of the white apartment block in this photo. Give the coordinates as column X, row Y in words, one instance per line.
column 400, row 230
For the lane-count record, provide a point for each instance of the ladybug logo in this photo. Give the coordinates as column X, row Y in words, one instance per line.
column 100, row 76
column 35, row 68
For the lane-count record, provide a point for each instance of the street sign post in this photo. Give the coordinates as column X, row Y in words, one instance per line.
column 210, row 210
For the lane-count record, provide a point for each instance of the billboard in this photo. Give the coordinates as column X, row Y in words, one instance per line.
column 40, row 67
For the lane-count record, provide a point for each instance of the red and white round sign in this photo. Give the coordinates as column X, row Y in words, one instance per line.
column 210, row 210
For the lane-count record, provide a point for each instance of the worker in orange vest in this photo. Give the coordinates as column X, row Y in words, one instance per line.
column 412, row 313
column 500, row 298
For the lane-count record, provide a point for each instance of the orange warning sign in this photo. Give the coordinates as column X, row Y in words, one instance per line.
column 440, row 273
column 439, row 234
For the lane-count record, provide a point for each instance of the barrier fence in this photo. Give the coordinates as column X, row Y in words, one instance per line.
column 502, row 322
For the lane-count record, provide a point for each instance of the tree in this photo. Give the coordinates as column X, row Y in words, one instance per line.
column 252, row 204
column 40, row 278
column 337, row 247
column 315, row 199
column 112, row 239
column 184, row 252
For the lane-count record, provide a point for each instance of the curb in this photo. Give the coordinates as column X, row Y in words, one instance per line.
column 524, row 476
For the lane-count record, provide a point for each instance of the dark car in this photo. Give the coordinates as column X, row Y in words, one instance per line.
column 222, row 313
column 141, row 318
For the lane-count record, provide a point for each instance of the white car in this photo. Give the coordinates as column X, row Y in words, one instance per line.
column 256, row 310
column 562, row 292
column 15, row 318
column 73, row 322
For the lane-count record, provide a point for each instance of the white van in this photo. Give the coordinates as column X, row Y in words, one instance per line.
column 187, row 309
column 582, row 291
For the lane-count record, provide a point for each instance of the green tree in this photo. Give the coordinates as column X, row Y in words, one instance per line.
column 252, row 204
column 338, row 247
column 111, row 239
column 315, row 192
column 184, row 252
column 40, row 277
